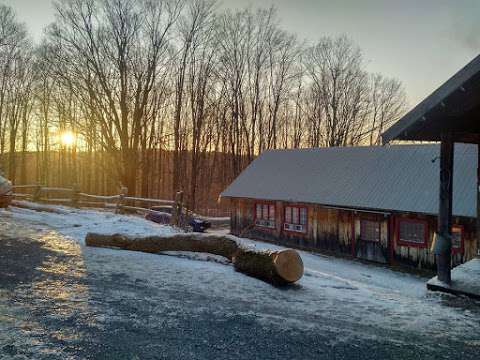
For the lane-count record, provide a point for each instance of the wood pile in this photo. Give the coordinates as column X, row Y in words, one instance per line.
column 275, row 267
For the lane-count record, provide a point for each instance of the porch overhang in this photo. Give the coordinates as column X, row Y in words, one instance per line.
column 453, row 109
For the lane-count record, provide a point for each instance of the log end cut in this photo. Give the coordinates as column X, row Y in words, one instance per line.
column 289, row 265
column 276, row 267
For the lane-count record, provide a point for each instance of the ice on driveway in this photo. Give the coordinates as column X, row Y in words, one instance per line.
column 335, row 294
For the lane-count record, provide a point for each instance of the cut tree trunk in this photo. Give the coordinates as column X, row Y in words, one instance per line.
column 276, row 267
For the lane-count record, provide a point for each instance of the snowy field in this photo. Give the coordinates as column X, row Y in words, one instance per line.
column 62, row 300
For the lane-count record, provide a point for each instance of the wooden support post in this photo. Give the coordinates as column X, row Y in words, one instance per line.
column 354, row 237
column 75, row 197
column 391, row 239
column 177, row 209
column 443, row 244
column 121, row 200
column 478, row 200
column 37, row 193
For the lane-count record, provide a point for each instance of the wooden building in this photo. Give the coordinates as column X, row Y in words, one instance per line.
column 373, row 203
column 449, row 115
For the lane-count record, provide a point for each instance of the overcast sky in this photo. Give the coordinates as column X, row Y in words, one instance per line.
column 420, row 42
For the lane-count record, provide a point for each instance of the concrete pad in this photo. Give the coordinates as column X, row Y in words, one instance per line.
column 465, row 280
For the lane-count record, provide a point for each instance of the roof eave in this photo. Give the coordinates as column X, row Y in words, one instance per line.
column 400, row 130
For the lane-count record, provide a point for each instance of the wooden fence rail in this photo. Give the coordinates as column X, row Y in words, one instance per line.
column 120, row 203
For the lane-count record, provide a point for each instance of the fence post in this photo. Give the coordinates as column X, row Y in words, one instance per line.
column 121, row 200
column 177, row 209
column 75, row 195
column 37, row 193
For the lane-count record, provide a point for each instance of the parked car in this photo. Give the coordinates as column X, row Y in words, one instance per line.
column 160, row 214
column 163, row 215
column 5, row 192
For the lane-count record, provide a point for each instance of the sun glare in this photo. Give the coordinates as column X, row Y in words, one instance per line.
column 67, row 138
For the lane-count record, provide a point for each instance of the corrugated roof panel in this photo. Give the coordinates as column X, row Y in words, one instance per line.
column 401, row 178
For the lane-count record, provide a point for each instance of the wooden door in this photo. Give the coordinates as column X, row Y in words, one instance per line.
column 372, row 241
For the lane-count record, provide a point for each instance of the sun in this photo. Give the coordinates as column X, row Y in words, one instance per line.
column 67, row 138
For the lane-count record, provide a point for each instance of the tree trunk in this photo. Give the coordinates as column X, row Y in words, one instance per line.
column 275, row 267
column 130, row 168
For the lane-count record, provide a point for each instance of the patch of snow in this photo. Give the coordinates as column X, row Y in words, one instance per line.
column 197, row 256
column 76, row 223
column 343, row 291
column 465, row 279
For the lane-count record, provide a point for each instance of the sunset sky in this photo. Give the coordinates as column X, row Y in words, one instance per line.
column 422, row 43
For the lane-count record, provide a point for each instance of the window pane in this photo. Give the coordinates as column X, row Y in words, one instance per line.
column 295, row 215
column 412, row 232
column 370, row 230
column 457, row 237
column 259, row 211
column 265, row 212
column 303, row 216
column 272, row 212
column 288, row 215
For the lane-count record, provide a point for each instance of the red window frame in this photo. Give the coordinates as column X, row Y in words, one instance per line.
column 457, row 250
column 299, row 222
column 270, row 205
column 362, row 230
column 401, row 242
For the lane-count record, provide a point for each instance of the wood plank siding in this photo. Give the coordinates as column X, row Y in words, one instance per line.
column 330, row 229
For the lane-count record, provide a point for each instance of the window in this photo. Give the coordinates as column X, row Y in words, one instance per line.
column 295, row 219
column 457, row 239
column 412, row 233
column 370, row 230
column 265, row 215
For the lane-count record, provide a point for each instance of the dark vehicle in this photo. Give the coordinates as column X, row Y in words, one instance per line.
column 199, row 225
column 163, row 215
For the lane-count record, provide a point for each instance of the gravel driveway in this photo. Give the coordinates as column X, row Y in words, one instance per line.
column 61, row 300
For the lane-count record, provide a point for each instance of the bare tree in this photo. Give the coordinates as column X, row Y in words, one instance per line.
column 15, row 82
column 174, row 95
column 113, row 50
column 191, row 28
column 339, row 84
column 387, row 104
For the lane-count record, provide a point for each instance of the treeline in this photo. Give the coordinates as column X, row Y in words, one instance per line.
column 176, row 89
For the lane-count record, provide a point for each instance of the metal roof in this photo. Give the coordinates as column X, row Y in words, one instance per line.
column 450, row 107
column 392, row 178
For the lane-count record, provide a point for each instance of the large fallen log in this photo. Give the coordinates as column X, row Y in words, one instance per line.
column 276, row 267
column 194, row 242
column 38, row 207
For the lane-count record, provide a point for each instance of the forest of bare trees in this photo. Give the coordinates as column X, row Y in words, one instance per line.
column 165, row 95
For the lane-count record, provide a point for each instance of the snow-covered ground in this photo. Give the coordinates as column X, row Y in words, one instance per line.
column 75, row 223
column 339, row 306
